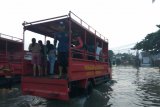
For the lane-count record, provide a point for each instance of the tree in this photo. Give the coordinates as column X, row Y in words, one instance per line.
column 111, row 53
column 151, row 43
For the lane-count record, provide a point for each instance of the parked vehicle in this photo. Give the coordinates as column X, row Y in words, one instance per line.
column 11, row 59
column 83, row 71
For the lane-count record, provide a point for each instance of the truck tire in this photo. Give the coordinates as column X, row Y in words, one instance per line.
column 89, row 88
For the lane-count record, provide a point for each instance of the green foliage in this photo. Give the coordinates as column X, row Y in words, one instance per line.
column 151, row 43
column 111, row 53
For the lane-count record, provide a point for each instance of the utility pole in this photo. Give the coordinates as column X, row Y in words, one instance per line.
column 137, row 60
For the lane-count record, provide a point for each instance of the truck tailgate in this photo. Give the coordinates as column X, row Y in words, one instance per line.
column 45, row 87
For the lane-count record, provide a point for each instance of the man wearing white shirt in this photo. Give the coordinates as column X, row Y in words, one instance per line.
column 98, row 51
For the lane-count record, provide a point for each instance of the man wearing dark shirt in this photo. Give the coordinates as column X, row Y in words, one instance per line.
column 63, row 46
column 51, row 52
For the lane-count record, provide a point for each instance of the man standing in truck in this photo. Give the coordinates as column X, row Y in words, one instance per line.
column 63, row 45
column 35, row 48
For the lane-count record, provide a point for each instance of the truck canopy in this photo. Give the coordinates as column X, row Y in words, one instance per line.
column 49, row 26
column 45, row 27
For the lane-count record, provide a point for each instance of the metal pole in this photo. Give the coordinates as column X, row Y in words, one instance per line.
column 23, row 41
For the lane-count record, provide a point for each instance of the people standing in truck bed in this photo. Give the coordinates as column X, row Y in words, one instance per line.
column 43, row 58
column 98, row 51
column 77, row 45
column 35, row 48
column 63, row 45
column 77, row 41
column 51, row 52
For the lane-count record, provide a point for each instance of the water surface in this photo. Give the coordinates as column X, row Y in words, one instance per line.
column 128, row 88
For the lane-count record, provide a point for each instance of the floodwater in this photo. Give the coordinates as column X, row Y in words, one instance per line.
column 128, row 88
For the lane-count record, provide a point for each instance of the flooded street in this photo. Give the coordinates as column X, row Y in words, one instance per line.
column 135, row 88
column 128, row 87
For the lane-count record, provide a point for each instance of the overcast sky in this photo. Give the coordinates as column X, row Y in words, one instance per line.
column 123, row 22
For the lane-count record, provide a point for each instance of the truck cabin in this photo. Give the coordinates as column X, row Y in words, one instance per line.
column 11, row 55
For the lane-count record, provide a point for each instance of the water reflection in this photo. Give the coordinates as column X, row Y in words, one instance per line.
column 136, row 88
column 149, row 87
column 13, row 98
column 129, row 87
column 96, row 99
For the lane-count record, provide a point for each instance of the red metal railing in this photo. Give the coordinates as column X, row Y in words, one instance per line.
column 11, row 61
column 85, row 25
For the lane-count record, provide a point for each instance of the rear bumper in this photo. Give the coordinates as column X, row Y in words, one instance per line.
column 45, row 87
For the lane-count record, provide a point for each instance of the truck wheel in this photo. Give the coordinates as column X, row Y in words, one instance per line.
column 89, row 88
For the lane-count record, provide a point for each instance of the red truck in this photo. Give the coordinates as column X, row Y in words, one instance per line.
column 11, row 58
column 83, row 71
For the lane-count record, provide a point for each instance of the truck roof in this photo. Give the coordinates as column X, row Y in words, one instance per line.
column 45, row 27
column 48, row 26
column 4, row 37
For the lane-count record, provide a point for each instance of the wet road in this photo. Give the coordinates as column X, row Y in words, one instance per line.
column 129, row 87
